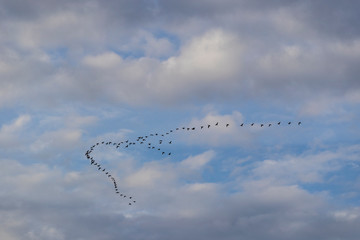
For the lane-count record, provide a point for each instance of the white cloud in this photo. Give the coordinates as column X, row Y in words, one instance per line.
column 198, row 161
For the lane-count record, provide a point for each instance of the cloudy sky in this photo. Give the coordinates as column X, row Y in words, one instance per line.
column 73, row 73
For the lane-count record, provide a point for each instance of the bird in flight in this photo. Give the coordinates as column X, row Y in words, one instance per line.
column 150, row 140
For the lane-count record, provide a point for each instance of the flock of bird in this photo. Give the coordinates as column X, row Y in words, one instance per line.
column 148, row 141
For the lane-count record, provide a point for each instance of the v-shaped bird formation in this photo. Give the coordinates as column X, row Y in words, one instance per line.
column 155, row 141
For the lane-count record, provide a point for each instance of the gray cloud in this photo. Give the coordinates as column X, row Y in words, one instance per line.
column 237, row 51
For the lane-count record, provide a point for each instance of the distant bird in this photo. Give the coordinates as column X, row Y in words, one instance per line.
column 216, row 123
column 193, row 128
column 242, row 124
column 170, row 142
column 208, row 126
column 279, row 123
column 162, row 153
column 188, row 129
column 261, row 125
column 177, row 128
column 299, row 123
column 252, row 124
column 202, row 127
column 289, row 123
column 129, row 203
column 227, row 125
column 169, row 153
column 269, row 124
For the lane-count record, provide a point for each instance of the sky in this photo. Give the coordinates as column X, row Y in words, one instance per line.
column 74, row 73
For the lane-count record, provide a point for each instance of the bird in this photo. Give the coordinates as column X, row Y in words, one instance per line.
column 279, row 123
column 242, row 124
column 193, row 128
column 202, row 127
column 169, row 153
column 227, row 125
column 216, row 123
column 208, row 126
column 261, row 125
column 269, row 124
column 170, row 142
column 252, row 124
column 289, row 123
column 299, row 123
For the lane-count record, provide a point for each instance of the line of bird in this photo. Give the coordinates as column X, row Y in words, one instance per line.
column 145, row 140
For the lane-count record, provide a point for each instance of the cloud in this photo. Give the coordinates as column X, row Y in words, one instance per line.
column 10, row 133
column 198, row 161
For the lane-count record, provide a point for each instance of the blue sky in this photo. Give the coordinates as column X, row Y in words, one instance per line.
column 73, row 73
